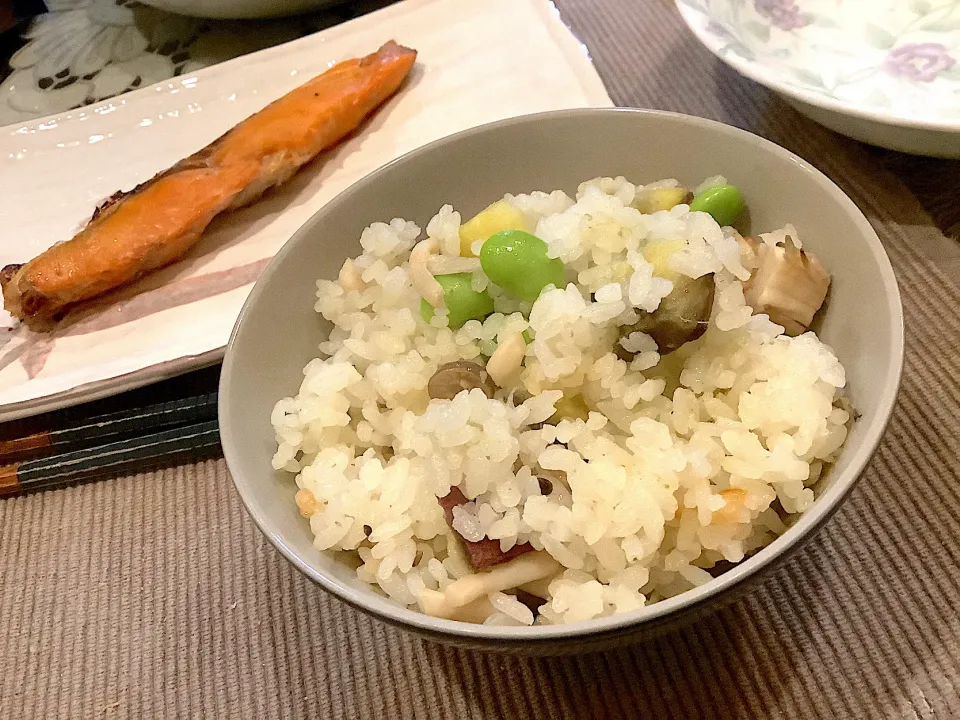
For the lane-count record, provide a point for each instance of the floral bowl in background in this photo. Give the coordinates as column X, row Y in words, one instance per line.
column 886, row 72
column 238, row 9
column 83, row 52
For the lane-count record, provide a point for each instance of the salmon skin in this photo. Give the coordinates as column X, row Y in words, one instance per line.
column 135, row 232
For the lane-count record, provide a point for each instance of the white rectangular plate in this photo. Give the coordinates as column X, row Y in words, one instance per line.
column 479, row 61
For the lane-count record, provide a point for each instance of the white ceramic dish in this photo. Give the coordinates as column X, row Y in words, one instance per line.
column 886, row 72
column 480, row 60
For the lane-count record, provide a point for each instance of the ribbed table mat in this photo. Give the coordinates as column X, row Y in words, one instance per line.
column 155, row 595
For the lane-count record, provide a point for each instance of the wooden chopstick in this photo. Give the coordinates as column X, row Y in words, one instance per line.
column 173, row 445
column 100, row 429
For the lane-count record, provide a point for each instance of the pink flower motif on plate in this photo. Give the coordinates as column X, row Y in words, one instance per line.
column 919, row 61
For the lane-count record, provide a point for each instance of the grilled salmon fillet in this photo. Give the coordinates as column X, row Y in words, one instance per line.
column 136, row 232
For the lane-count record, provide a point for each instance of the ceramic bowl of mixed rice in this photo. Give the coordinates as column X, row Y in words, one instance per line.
column 563, row 380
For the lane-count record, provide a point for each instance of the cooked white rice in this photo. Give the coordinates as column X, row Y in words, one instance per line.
column 683, row 462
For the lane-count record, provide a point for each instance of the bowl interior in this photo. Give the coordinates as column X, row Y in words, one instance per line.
column 886, row 60
column 278, row 331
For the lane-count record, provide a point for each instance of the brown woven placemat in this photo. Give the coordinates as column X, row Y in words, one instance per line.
column 155, row 596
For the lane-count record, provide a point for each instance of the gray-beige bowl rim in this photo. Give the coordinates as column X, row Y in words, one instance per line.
column 265, row 345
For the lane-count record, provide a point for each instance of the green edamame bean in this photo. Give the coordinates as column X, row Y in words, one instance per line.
column 723, row 202
column 517, row 261
column 461, row 300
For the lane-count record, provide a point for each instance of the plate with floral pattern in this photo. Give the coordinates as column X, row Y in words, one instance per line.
column 883, row 71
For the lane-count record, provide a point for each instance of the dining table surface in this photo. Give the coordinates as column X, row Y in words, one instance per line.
column 155, row 595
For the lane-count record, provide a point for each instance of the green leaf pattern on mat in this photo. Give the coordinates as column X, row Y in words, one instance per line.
column 898, row 55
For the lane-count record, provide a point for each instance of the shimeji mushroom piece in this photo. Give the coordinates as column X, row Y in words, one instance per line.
column 507, row 359
column 519, row 571
column 436, row 604
column 682, row 316
column 452, row 378
column 540, row 588
column 421, row 278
